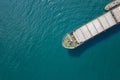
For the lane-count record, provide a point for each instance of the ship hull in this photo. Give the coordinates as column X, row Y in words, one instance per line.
column 100, row 24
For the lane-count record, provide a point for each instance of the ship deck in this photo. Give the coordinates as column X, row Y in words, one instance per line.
column 91, row 29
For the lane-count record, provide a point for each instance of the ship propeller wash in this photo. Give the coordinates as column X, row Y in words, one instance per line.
column 80, row 35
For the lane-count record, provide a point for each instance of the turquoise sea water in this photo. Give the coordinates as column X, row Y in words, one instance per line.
column 31, row 32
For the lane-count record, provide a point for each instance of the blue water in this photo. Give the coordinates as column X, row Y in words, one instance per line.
column 31, row 32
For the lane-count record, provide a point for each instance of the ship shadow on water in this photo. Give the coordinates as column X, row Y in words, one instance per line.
column 100, row 37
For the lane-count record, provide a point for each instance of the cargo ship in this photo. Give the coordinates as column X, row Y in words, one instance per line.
column 82, row 34
column 112, row 4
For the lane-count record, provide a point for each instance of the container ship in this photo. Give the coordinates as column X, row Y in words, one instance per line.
column 82, row 34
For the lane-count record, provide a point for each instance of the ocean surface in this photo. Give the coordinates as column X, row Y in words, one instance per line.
column 31, row 32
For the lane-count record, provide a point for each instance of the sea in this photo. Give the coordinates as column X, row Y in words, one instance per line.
column 31, row 33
